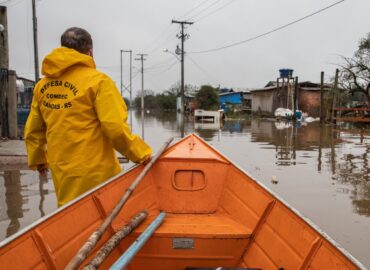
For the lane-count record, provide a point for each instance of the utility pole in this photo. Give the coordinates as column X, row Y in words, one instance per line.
column 142, row 59
column 322, row 98
column 129, row 51
column 335, row 93
column 121, row 85
column 182, row 36
column 4, row 49
column 4, row 66
column 35, row 46
column 130, row 105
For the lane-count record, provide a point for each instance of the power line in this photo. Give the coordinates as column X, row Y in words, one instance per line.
column 160, row 64
column 205, row 9
column 271, row 31
column 158, row 38
column 213, row 12
column 193, row 9
column 157, row 41
column 167, row 69
column 202, row 69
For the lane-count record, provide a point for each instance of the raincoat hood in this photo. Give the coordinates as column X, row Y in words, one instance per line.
column 61, row 59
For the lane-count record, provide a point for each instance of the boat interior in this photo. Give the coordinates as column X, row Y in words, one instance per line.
column 216, row 216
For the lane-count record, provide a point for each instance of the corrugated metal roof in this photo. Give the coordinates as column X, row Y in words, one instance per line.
column 264, row 89
column 230, row 93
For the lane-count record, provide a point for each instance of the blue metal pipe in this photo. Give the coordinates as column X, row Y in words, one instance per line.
column 126, row 257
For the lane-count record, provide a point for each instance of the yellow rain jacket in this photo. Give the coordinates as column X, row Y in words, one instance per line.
column 76, row 121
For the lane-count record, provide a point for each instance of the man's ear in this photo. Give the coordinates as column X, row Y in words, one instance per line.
column 90, row 52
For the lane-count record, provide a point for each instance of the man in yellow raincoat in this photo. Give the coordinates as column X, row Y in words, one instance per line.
column 77, row 120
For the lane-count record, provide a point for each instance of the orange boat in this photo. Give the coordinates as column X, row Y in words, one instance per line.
column 216, row 216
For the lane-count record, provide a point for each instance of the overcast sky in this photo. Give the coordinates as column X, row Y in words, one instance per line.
column 144, row 26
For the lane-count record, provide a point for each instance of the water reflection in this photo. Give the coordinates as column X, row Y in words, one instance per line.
column 43, row 192
column 237, row 126
column 22, row 200
column 353, row 169
column 310, row 165
column 14, row 200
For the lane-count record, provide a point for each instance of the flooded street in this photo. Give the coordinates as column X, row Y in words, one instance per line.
column 322, row 171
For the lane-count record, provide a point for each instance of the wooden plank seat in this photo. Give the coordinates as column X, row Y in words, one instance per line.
column 198, row 240
column 198, row 225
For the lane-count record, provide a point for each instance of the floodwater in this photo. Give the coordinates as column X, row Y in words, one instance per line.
column 322, row 171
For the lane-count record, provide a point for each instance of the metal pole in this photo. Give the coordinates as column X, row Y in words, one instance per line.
column 130, row 79
column 121, row 73
column 335, row 92
column 142, row 98
column 142, row 83
column 131, row 89
column 182, row 71
column 322, row 98
column 182, row 36
column 129, row 105
column 35, row 46
column 142, row 90
column 296, row 96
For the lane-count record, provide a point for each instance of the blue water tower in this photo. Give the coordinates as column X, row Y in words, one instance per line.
column 286, row 73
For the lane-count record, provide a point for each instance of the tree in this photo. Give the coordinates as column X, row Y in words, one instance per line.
column 166, row 101
column 149, row 100
column 355, row 71
column 207, row 98
column 189, row 89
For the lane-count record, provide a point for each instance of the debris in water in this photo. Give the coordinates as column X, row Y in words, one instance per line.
column 274, row 180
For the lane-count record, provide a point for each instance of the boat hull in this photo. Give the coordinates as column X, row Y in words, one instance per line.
column 217, row 216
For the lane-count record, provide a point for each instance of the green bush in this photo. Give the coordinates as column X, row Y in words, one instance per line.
column 207, row 98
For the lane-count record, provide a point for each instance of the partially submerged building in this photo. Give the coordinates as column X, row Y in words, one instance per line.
column 236, row 100
column 305, row 97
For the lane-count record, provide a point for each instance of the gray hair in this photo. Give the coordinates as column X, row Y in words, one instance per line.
column 78, row 39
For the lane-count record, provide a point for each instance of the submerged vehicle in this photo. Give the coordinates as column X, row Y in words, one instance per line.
column 217, row 215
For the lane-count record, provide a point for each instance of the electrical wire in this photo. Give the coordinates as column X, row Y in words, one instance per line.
column 160, row 64
column 205, row 9
column 155, row 48
column 193, row 9
column 160, row 45
column 269, row 32
column 202, row 69
column 213, row 12
column 167, row 69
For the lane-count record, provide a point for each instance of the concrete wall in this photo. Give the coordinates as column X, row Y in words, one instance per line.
column 262, row 102
column 266, row 102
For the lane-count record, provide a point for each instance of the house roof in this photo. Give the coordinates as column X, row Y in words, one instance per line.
column 25, row 79
column 269, row 88
column 229, row 93
column 307, row 85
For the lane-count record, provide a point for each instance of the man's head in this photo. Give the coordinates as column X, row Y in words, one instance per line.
column 77, row 39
